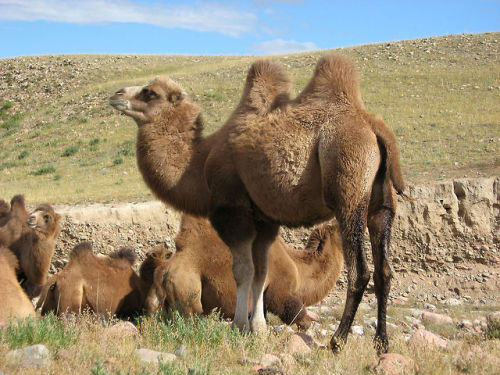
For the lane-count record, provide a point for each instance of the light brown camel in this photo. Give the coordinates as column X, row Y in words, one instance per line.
column 31, row 237
column 198, row 278
column 277, row 162
column 15, row 303
column 105, row 285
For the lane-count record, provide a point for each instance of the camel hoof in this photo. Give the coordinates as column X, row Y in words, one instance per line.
column 381, row 344
column 241, row 326
column 258, row 326
column 337, row 344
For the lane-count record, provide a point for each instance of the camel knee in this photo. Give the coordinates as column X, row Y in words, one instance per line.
column 243, row 272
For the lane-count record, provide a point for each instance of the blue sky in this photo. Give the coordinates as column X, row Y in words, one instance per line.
column 253, row 27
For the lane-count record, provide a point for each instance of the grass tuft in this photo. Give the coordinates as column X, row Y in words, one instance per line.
column 44, row 170
column 47, row 330
column 70, row 151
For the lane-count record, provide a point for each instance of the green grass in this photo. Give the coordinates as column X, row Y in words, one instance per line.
column 439, row 95
column 48, row 331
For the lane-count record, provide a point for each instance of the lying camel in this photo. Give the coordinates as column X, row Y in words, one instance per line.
column 15, row 303
column 199, row 279
column 277, row 162
column 105, row 285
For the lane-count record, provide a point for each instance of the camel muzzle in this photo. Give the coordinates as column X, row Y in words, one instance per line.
column 119, row 104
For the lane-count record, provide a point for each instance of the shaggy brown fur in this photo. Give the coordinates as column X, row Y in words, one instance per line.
column 296, row 162
column 199, row 279
column 105, row 285
column 35, row 246
column 15, row 303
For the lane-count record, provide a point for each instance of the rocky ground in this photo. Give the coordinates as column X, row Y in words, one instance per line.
column 445, row 290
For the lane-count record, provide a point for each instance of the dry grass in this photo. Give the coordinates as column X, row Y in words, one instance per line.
column 62, row 142
column 214, row 348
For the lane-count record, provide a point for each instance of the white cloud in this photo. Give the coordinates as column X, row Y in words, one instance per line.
column 280, row 46
column 200, row 17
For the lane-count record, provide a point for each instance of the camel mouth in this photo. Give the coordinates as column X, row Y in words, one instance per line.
column 31, row 222
column 119, row 104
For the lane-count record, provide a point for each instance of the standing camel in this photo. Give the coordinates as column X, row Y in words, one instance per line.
column 277, row 162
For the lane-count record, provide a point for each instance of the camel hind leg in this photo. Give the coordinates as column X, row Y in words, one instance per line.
column 348, row 176
column 380, row 217
column 358, row 274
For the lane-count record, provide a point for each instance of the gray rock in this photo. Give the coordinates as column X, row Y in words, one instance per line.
column 31, row 356
column 151, row 356
column 181, row 351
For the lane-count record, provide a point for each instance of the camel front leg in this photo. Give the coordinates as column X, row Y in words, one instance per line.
column 236, row 228
column 266, row 233
column 243, row 272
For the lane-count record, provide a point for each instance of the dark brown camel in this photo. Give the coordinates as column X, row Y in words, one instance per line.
column 277, row 162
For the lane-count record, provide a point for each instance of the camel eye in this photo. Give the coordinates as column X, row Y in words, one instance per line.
column 46, row 218
column 52, row 287
column 168, row 255
column 148, row 95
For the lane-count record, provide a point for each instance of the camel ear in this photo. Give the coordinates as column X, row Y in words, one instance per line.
column 176, row 98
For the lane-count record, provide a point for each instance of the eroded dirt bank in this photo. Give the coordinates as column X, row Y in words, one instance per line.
column 445, row 244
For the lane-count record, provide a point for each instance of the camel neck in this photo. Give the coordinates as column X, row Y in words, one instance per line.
column 171, row 160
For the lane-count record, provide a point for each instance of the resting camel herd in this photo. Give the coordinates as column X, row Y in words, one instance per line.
column 317, row 158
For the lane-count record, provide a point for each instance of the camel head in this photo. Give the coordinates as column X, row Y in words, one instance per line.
column 45, row 220
column 156, row 296
column 155, row 258
column 145, row 103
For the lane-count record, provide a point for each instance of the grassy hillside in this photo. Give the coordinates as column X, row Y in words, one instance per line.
column 61, row 141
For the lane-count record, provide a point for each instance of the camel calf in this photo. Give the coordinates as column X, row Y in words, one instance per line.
column 105, row 285
column 31, row 237
column 198, row 278
column 14, row 301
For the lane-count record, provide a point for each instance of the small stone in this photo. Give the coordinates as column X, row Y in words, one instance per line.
column 435, row 318
column 452, row 302
column 268, row 360
column 297, row 345
column 466, row 324
column 122, row 329
column 181, row 351
column 151, row 356
column 429, row 306
column 357, row 330
column 421, row 337
column 31, row 356
column 394, row 364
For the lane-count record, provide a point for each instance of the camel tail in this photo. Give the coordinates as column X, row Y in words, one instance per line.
column 386, row 137
column 126, row 253
column 82, row 249
column 267, row 87
column 336, row 76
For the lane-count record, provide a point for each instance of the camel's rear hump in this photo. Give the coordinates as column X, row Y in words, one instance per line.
column 335, row 76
